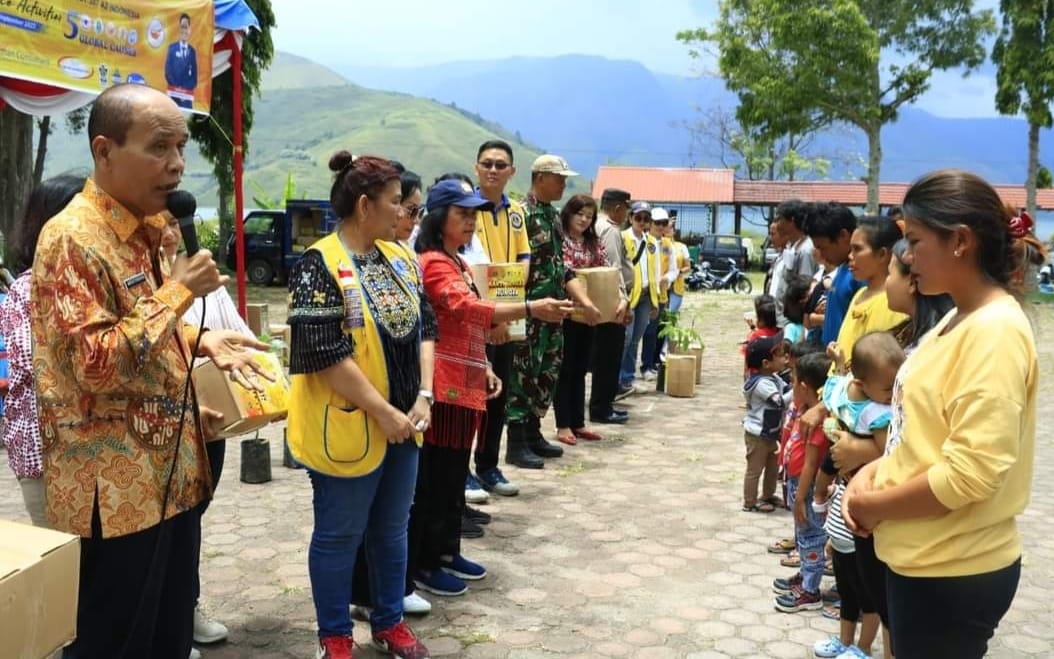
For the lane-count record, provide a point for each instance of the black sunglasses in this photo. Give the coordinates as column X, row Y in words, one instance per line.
column 661, row 223
column 497, row 165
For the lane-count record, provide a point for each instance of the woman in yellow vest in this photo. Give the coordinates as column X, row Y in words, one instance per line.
column 683, row 260
column 363, row 344
column 643, row 251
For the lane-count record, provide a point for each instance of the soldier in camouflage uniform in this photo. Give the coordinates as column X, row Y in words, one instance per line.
column 536, row 361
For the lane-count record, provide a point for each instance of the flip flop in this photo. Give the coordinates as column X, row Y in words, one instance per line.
column 783, row 546
column 587, row 434
column 765, row 507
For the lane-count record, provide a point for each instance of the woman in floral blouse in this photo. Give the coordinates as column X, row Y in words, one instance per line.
column 582, row 249
column 363, row 341
column 464, row 382
column 21, row 433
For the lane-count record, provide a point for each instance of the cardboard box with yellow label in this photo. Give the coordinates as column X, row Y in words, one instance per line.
column 244, row 410
column 504, row 282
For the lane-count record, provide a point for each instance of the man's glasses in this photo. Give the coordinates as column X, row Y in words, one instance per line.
column 496, row 165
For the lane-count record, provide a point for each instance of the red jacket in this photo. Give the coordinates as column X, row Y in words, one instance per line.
column 464, row 320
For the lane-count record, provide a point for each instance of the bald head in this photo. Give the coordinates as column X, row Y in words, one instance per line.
column 137, row 139
column 116, row 109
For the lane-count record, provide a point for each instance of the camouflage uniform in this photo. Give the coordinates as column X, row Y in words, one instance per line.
column 536, row 361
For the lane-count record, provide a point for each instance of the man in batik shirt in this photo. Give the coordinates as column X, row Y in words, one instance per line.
column 123, row 456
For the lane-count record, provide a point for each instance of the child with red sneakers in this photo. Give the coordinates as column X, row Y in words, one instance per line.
column 802, row 458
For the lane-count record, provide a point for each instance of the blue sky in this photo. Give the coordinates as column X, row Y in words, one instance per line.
column 423, row 32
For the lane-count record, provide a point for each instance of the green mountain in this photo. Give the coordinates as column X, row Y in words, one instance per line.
column 307, row 112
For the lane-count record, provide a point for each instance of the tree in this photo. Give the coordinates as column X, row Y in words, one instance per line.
column 752, row 154
column 1024, row 82
column 212, row 133
column 793, row 64
column 16, row 165
column 75, row 121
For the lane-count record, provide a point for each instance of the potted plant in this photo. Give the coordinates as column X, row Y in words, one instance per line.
column 684, row 340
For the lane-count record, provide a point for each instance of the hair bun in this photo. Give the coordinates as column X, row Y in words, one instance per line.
column 340, row 160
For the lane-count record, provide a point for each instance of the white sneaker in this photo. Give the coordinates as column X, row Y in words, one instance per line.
column 416, row 605
column 207, row 631
column 474, row 492
column 650, row 376
column 195, row 653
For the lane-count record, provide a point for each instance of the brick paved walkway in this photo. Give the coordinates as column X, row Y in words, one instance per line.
column 630, row 547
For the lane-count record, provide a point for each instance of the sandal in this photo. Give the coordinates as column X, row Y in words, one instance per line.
column 774, row 501
column 750, row 509
column 566, row 439
column 783, row 546
column 833, row 612
column 587, row 434
column 765, row 507
column 791, row 560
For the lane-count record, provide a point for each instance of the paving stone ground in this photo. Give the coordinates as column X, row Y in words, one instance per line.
column 630, row 547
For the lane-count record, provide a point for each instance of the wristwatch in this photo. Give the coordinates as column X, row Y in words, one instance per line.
column 428, row 396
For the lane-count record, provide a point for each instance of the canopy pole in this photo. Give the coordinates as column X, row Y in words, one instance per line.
column 239, row 201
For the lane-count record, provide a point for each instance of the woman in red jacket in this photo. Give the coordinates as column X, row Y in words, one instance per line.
column 462, row 384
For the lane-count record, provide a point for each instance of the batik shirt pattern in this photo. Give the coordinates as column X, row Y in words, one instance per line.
column 111, row 362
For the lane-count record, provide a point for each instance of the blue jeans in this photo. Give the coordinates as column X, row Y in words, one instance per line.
column 809, row 539
column 634, row 333
column 675, row 302
column 648, row 349
column 376, row 505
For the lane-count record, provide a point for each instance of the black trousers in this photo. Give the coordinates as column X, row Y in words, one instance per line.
column 217, row 453
column 854, row 598
column 439, row 503
column 872, row 575
column 948, row 616
column 488, row 443
column 570, row 398
column 135, row 604
column 608, row 341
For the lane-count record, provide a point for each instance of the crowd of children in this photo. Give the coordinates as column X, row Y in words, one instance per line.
column 792, row 382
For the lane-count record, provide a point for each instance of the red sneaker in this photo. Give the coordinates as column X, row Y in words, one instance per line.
column 400, row 642
column 334, row 647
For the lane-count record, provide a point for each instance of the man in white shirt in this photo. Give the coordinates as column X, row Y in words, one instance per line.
column 797, row 255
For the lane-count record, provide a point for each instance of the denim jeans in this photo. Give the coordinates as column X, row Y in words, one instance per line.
column 809, row 539
column 634, row 333
column 345, row 509
column 649, row 356
column 675, row 302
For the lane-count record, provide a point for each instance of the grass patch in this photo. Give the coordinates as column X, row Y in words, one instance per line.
column 576, row 468
column 214, row 553
column 469, row 639
column 696, row 457
column 292, row 590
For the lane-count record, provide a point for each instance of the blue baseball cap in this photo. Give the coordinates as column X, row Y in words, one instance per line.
column 454, row 193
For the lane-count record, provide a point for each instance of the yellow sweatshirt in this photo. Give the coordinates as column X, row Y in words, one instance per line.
column 966, row 418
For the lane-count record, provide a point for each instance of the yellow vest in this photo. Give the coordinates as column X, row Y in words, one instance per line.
column 327, row 432
column 649, row 259
column 682, row 261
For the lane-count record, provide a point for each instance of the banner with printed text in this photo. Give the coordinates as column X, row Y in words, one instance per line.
column 89, row 45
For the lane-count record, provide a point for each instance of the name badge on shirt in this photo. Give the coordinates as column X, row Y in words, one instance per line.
column 353, row 315
column 137, row 279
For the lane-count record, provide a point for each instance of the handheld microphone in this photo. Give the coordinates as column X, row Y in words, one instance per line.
column 182, row 205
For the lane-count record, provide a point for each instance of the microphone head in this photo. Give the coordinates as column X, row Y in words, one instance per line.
column 181, row 204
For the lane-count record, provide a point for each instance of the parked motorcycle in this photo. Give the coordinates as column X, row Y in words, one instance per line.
column 734, row 280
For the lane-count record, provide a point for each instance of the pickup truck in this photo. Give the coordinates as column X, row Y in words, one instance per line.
column 715, row 248
column 275, row 239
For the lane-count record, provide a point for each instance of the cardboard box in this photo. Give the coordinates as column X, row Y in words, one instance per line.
column 283, row 333
column 256, row 318
column 504, row 282
column 602, row 287
column 244, row 410
column 698, row 352
column 39, row 574
column 680, row 375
